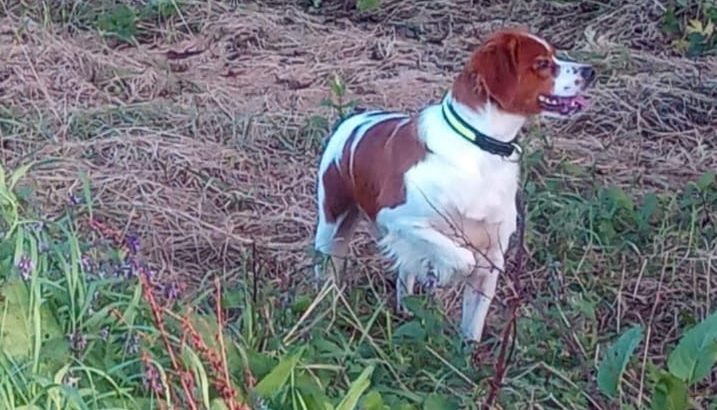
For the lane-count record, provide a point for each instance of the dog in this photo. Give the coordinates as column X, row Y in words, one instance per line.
column 439, row 187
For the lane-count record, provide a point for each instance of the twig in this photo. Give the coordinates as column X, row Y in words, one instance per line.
column 509, row 334
column 185, row 376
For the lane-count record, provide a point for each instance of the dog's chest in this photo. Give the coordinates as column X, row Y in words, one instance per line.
column 485, row 195
column 471, row 190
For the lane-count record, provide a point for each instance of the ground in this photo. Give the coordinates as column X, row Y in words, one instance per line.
column 201, row 134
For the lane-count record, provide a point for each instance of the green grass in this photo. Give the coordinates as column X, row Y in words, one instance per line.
column 76, row 325
column 117, row 21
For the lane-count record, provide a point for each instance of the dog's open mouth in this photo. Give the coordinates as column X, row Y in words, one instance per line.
column 562, row 105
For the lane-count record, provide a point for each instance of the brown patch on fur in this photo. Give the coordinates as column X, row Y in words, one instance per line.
column 511, row 68
column 374, row 179
column 338, row 197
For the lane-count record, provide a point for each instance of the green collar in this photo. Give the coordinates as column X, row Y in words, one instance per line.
column 467, row 131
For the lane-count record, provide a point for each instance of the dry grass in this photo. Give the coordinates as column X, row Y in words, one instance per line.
column 204, row 155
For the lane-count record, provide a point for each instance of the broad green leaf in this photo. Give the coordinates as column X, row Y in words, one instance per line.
column 620, row 198
column 415, row 305
column 437, row 402
column 55, row 353
column 411, row 330
column 695, row 354
column 218, row 404
column 327, row 347
column 373, row 401
column 705, row 363
column 615, row 359
column 276, row 379
column 670, row 393
column 16, row 326
column 648, row 208
column 356, row 390
column 260, row 364
column 707, row 179
column 7, row 250
column 365, row 5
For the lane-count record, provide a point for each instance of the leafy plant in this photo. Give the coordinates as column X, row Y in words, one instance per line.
column 317, row 127
column 79, row 294
column 119, row 23
column 361, row 5
column 692, row 26
column 338, row 101
column 615, row 360
column 366, row 5
column 691, row 361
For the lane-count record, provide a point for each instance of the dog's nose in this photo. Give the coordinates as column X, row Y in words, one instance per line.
column 587, row 73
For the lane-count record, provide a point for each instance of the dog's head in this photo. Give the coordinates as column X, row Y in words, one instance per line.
column 520, row 73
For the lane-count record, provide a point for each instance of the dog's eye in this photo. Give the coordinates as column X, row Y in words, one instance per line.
column 543, row 64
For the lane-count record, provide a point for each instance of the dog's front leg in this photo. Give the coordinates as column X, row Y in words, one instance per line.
column 478, row 294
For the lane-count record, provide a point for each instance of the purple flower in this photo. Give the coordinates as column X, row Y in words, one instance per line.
column 132, row 345
column 124, row 270
column 86, row 263
column 171, row 291
column 73, row 199
column 24, row 265
column 132, row 242
column 78, row 341
column 104, row 333
column 152, row 380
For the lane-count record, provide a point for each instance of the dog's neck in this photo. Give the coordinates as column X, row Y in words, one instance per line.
column 489, row 119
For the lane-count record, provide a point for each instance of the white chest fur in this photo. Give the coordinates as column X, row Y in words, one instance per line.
column 458, row 178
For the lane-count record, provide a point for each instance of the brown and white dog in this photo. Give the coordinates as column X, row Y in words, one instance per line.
column 439, row 187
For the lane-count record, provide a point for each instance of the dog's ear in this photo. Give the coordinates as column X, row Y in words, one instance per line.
column 496, row 68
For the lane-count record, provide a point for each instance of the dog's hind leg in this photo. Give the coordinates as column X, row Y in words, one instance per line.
column 332, row 244
column 338, row 215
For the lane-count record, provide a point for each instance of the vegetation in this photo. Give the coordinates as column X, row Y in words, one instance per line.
column 692, row 24
column 155, row 213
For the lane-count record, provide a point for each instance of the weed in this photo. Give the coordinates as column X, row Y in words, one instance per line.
column 120, row 22
column 690, row 362
column 361, row 5
column 692, row 26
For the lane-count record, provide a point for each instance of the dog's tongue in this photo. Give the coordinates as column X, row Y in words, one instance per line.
column 570, row 104
column 581, row 101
